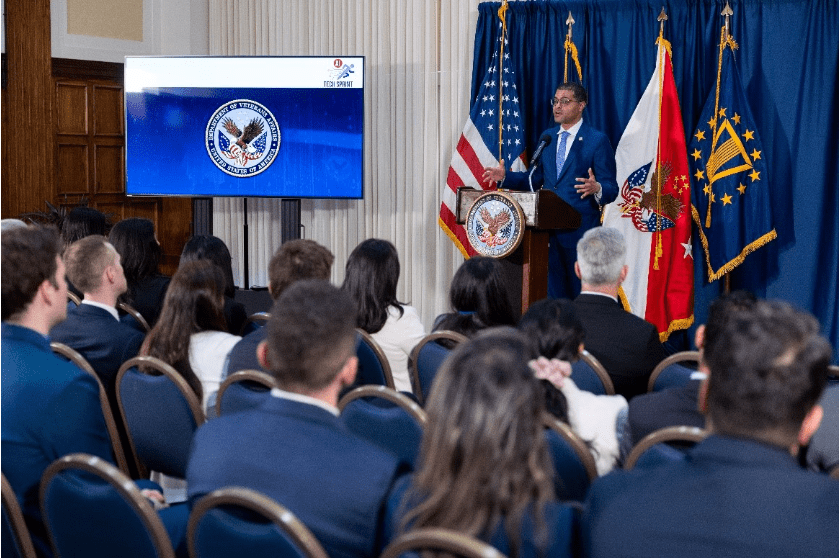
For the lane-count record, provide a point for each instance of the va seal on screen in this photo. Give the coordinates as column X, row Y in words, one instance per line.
column 495, row 224
column 242, row 138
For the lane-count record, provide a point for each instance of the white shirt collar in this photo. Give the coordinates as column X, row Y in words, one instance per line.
column 108, row 308
column 615, row 299
column 573, row 130
column 303, row 399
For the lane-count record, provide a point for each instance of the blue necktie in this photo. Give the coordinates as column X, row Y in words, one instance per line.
column 560, row 153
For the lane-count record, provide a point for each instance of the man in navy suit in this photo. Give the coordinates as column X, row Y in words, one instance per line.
column 93, row 328
column 740, row 492
column 578, row 166
column 294, row 447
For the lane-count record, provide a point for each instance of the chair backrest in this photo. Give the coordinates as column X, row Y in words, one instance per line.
column 240, row 522
column 426, row 358
column 670, row 372
column 589, row 374
column 135, row 314
column 243, row 390
column 107, row 412
column 73, row 298
column 386, row 418
column 255, row 321
column 91, row 509
column 574, row 441
column 373, row 366
column 677, row 433
column 161, row 414
column 16, row 539
column 449, row 542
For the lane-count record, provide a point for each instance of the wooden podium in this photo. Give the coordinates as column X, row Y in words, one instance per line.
column 526, row 269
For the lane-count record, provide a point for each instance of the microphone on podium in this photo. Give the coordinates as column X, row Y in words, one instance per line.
column 544, row 142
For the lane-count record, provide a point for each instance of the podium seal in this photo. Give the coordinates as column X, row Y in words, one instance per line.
column 495, row 225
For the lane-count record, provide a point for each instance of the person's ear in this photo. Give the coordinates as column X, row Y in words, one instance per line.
column 810, row 424
column 699, row 337
column 702, row 398
column 262, row 355
column 577, row 270
column 624, row 272
column 348, row 371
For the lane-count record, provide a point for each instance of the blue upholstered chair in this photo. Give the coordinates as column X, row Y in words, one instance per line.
column 446, row 543
column 254, row 322
column 589, row 374
column 243, row 390
column 373, row 367
column 670, row 372
column 386, row 418
column 133, row 318
column 91, row 509
column 160, row 412
column 426, row 358
column 16, row 541
column 240, row 522
column 657, row 446
column 574, row 466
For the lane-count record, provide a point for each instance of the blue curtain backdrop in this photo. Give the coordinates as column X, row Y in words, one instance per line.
column 788, row 62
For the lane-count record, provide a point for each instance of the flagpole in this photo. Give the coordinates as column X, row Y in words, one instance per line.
column 502, row 14
column 663, row 45
column 571, row 48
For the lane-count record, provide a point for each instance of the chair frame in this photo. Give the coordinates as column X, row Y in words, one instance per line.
column 125, row 307
column 262, row 504
column 667, row 434
column 257, row 317
column 23, row 541
column 380, row 355
column 679, row 357
column 451, row 335
column 74, row 298
column 459, row 545
column 389, row 394
column 564, row 430
column 119, row 481
column 175, row 377
column 600, row 371
column 253, row 375
column 110, row 420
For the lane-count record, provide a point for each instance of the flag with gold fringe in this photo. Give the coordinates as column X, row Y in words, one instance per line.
column 493, row 134
column 653, row 207
column 571, row 52
column 732, row 205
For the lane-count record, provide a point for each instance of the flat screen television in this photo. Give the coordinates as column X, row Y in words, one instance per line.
column 288, row 127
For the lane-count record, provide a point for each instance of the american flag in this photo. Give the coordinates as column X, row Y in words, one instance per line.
column 494, row 124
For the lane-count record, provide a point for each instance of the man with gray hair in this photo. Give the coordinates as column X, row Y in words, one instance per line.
column 628, row 346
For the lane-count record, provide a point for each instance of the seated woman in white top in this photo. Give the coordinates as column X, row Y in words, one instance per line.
column 558, row 334
column 191, row 332
column 371, row 277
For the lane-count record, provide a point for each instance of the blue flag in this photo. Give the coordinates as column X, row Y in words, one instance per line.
column 732, row 206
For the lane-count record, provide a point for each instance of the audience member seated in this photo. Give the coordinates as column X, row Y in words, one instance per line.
column 628, row 346
column 552, row 325
column 294, row 260
column 294, row 448
column 478, row 298
column 741, row 491
column 77, row 224
column 93, row 328
column 679, row 405
column 823, row 452
column 139, row 248
column 485, row 469
column 191, row 333
column 50, row 407
column 371, row 277
column 211, row 248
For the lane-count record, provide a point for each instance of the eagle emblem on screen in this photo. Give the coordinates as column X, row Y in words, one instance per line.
column 242, row 138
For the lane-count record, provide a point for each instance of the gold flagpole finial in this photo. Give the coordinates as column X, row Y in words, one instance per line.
column 727, row 12
column 569, row 21
column 662, row 17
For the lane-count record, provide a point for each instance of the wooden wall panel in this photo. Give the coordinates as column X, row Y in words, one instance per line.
column 71, row 107
column 72, row 176
column 107, row 111
column 110, row 169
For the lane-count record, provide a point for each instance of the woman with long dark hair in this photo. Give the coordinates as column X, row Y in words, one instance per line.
column 140, row 253
column 208, row 247
column 478, row 299
column 371, row 277
column 191, row 333
column 485, row 468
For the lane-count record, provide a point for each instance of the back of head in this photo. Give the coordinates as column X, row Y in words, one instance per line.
column 11, row 223
column 310, row 335
column 134, row 240
column 208, row 247
column 723, row 309
column 767, row 372
column 478, row 287
column 553, row 325
column 484, row 455
column 372, row 275
column 28, row 259
column 298, row 260
column 82, row 222
column 601, row 254
column 86, row 259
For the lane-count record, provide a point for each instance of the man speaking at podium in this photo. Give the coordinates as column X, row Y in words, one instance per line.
column 577, row 163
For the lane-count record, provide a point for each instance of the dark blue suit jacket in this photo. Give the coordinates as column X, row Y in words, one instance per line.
column 665, row 408
column 303, row 457
column 730, row 497
column 50, row 408
column 243, row 354
column 103, row 341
